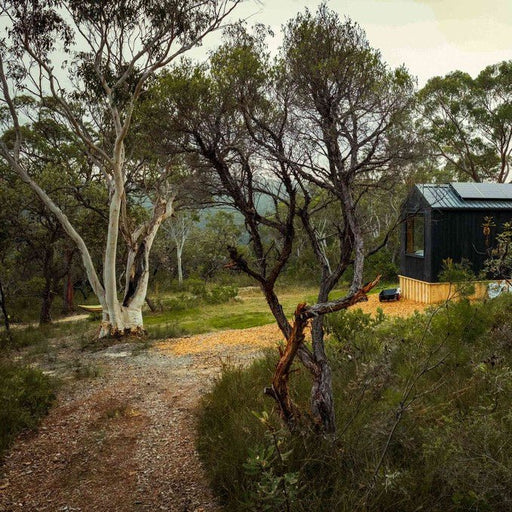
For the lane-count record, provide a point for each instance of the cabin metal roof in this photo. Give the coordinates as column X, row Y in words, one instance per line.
column 445, row 197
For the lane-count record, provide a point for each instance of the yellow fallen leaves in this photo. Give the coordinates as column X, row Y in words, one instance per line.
column 264, row 336
column 269, row 335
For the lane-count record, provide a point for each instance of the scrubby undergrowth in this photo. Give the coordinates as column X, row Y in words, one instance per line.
column 424, row 416
column 26, row 395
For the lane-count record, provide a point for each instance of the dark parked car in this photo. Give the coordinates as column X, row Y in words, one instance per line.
column 389, row 294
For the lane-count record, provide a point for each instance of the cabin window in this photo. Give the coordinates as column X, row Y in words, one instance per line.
column 415, row 244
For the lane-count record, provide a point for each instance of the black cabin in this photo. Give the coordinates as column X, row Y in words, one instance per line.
column 456, row 220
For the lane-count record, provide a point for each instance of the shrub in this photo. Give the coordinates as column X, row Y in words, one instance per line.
column 460, row 275
column 423, row 415
column 26, row 395
column 197, row 292
column 381, row 263
column 220, row 294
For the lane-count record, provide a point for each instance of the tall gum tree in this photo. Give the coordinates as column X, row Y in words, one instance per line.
column 239, row 122
column 352, row 113
column 111, row 50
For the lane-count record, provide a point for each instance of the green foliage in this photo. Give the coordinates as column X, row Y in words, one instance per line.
column 345, row 324
column 499, row 264
column 26, row 395
column 220, row 294
column 468, row 122
column 460, row 275
column 454, row 272
column 226, row 424
column 381, row 263
column 196, row 292
column 423, row 414
column 272, row 487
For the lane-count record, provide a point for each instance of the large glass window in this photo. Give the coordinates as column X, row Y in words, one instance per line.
column 415, row 243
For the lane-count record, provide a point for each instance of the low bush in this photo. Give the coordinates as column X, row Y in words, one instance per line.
column 382, row 262
column 423, row 420
column 194, row 293
column 26, row 395
column 220, row 294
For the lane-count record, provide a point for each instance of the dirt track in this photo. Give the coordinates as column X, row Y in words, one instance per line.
column 124, row 441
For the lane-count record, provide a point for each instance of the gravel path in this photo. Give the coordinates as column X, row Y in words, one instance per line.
column 124, row 440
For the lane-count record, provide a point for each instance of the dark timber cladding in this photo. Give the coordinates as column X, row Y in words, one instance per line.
column 456, row 220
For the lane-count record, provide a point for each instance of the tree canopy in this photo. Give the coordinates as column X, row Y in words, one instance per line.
column 468, row 122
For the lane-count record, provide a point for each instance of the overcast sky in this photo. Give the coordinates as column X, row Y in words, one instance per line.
column 431, row 37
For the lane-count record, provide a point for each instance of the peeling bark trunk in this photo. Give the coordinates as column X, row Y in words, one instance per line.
column 279, row 391
column 129, row 322
column 288, row 411
column 111, row 302
column 151, row 304
column 45, row 316
column 179, row 251
column 69, row 295
column 125, row 318
column 276, row 309
column 69, row 292
column 321, row 397
column 322, row 402
column 136, row 267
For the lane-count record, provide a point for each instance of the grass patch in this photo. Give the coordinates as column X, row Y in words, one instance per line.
column 242, row 320
column 248, row 310
column 423, row 415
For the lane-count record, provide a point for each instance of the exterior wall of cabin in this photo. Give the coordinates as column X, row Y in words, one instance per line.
column 460, row 234
column 411, row 265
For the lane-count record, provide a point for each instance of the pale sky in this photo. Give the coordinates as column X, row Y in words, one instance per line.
column 431, row 37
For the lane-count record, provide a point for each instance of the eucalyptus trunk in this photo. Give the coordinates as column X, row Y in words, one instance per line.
column 45, row 316
column 3, row 307
column 125, row 317
column 179, row 262
column 69, row 295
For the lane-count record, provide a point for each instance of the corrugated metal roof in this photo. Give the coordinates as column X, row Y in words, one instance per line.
column 445, row 197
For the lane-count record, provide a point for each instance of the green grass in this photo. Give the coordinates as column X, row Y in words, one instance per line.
column 249, row 310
